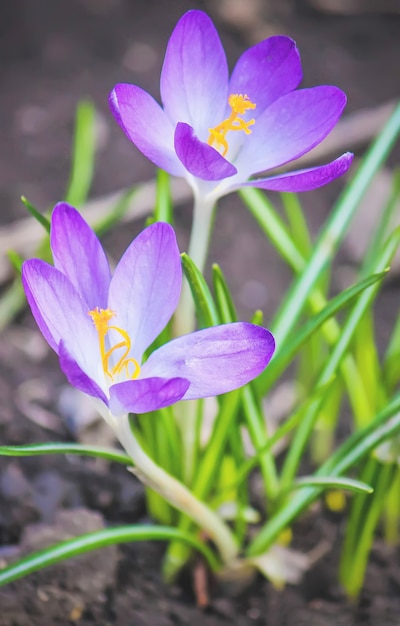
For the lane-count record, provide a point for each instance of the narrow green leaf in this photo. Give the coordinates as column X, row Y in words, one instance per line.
column 163, row 210
column 296, row 340
column 380, row 233
column 329, row 482
column 256, row 425
column 101, row 539
column 16, row 260
column 356, row 447
column 223, row 298
column 258, row 318
column 83, row 155
column 273, row 226
column 284, row 429
column 298, row 223
column 39, row 217
column 334, row 362
column 361, row 529
column 36, row 449
column 204, row 303
column 334, row 231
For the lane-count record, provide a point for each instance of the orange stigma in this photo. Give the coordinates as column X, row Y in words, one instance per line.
column 101, row 319
column 239, row 104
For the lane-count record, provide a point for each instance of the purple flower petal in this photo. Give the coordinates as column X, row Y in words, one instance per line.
column 291, row 126
column 61, row 313
column 145, row 123
column 78, row 254
column 200, row 159
column 77, row 377
column 305, row 180
column 267, row 71
column 194, row 78
column 146, row 285
column 215, row 360
column 144, row 395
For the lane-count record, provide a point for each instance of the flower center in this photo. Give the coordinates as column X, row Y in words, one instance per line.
column 101, row 319
column 239, row 104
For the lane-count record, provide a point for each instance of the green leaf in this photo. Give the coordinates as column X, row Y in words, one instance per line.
column 284, row 429
column 39, row 217
column 16, row 260
column 36, row 449
column 204, row 303
column 332, row 234
column 100, row 539
column 223, row 298
column 83, row 155
column 296, row 340
column 380, row 233
column 356, row 447
column 329, row 482
column 298, row 223
column 163, row 210
column 335, row 361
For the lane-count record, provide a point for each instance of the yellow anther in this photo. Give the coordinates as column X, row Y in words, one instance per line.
column 239, row 104
column 101, row 319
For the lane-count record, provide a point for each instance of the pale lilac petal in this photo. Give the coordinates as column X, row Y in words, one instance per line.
column 146, row 125
column 291, row 126
column 77, row 377
column 267, row 71
column 78, row 254
column 194, row 78
column 215, row 360
column 199, row 158
column 305, row 180
column 144, row 395
column 146, row 285
column 61, row 313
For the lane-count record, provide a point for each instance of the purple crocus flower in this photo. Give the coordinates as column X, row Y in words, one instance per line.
column 101, row 325
column 219, row 132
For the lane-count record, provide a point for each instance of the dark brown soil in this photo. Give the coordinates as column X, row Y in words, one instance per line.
column 52, row 54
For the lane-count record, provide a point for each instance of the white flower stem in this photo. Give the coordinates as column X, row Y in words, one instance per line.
column 184, row 318
column 175, row 492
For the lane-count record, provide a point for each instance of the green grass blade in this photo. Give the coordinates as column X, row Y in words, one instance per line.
column 36, row 449
column 380, row 233
column 101, row 539
column 298, row 223
column 334, row 362
column 385, row 425
column 39, row 217
column 83, row 154
column 223, row 297
column 296, row 340
column 329, row 482
column 334, row 231
column 163, row 210
column 204, row 303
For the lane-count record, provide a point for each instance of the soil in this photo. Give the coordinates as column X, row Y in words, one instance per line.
column 53, row 54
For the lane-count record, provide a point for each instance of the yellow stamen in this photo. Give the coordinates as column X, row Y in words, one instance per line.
column 101, row 319
column 239, row 104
